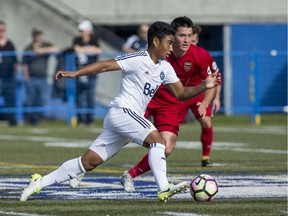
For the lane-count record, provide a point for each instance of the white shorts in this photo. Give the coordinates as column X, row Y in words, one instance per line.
column 121, row 125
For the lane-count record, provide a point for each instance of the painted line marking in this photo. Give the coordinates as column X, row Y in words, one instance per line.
column 18, row 213
column 109, row 187
column 180, row 214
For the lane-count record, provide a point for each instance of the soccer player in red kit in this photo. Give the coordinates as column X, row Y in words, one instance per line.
column 206, row 123
column 191, row 66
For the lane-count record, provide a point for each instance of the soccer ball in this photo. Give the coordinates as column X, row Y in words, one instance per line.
column 203, row 188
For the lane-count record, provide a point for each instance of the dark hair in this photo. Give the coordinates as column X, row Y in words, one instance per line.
column 160, row 30
column 197, row 29
column 182, row 21
column 2, row 23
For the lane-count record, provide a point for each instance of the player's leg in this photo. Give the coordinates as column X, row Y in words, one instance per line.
column 206, row 136
column 157, row 163
column 206, row 140
column 166, row 120
column 104, row 147
column 142, row 131
column 68, row 170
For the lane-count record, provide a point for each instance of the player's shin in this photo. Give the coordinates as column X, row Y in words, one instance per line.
column 141, row 168
column 157, row 162
column 68, row 170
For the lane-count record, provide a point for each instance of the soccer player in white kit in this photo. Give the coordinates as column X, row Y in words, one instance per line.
column 142, row 73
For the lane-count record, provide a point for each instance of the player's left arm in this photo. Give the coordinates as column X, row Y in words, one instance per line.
column 208, row 96
column 216, row 101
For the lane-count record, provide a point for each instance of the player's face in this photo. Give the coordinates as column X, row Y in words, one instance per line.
column 183, row 39
column 164, row 47
column 195, row 39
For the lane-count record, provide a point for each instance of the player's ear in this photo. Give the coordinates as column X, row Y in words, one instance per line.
column 155, row 41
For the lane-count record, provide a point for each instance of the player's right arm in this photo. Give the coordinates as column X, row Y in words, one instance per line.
column 95, row 68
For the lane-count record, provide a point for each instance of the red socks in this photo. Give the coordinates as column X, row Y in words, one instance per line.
column 206, row 139
column 140, row 168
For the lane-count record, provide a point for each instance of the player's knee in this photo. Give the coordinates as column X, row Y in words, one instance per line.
column 206, row 123
column 91, row 160
column 169, row 149
column 161, row 141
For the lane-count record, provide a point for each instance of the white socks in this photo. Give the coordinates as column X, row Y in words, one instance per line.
column 68, row 170
column 157, row 163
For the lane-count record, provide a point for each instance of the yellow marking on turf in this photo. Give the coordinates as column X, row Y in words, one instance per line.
column 99, row 170
column 27, row 165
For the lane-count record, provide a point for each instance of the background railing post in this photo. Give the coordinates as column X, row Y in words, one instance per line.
column 255, row 117
column 70, row 65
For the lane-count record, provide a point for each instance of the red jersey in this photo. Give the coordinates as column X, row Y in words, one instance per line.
column 212, row 64
column 191, row 69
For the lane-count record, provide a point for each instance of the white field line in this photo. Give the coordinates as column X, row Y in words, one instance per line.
column 82, row 143
column 180, row 214
column 18, row 213
column 259, row 130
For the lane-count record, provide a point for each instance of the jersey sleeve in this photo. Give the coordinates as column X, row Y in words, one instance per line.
column 128, row 61
column 203, row 64
column 214, row 67
column 171, row 76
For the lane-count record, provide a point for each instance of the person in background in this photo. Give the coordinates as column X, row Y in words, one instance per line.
column 35, row 74
column 7, row 69
column 207, row 133
column 87, row 49
column 216, row 101
column 137, row 42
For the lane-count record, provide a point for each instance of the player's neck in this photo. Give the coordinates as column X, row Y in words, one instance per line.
column 178, row 53
column 153, row 56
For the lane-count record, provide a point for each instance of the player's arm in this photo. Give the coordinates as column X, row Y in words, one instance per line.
column 95, row 68
column 208, row 96
column 216, row 100
column 184, row 93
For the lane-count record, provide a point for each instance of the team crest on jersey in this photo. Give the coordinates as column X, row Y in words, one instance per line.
column 162, row 75
column 187, row 66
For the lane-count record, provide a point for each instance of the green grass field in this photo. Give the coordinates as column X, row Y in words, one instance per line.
column 239, row 150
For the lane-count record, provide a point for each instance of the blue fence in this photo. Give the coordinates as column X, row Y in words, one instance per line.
column 259, row 85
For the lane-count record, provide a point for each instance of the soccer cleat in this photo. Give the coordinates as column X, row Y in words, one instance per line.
column 171, row 190
column 75, row 182
column 127, row 182
column 207, row 163
column 33, row 187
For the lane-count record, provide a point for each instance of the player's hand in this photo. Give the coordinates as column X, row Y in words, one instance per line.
column 211, row 81
column 65, row 74
column 216, row 105
column 202, row 109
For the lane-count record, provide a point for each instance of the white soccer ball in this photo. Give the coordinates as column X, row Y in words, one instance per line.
column 203, row 188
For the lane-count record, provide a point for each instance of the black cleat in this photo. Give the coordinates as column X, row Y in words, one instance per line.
column 207, row 163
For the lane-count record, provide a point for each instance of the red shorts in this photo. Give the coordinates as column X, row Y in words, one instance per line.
column 191, row 103
column 165, row 118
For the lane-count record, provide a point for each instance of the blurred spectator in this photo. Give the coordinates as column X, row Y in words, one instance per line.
column 7, row 68
column 59, row 87
column 87, row 50
column 36, row 74
column 137, row 42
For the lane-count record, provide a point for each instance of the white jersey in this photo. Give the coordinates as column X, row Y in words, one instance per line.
column 141, row 78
